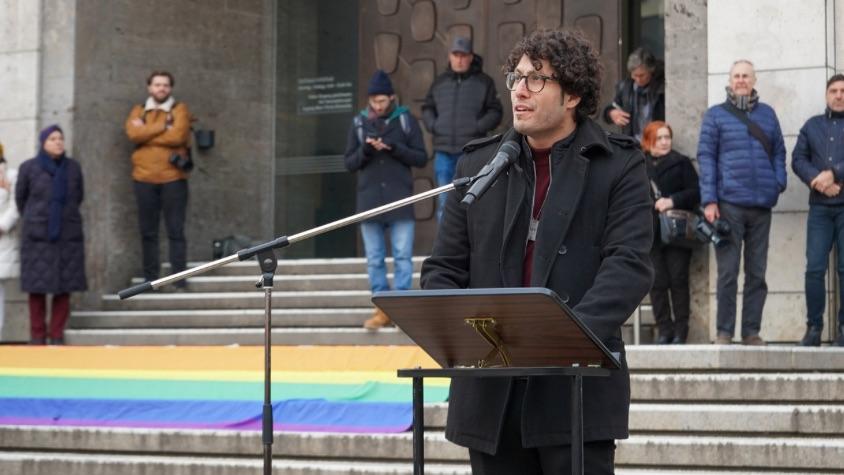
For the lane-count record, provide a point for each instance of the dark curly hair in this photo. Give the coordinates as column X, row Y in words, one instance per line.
column 574, row 61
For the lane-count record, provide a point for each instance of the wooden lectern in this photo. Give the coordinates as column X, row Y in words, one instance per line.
column 503, row 332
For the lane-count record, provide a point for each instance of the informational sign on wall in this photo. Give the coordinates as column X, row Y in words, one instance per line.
column 324, row 95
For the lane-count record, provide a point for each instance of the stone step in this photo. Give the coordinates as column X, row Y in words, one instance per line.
column 786, row 419
column 702, row 358
column 51, row 463
column 344, row 265
column 239, row 300
column 235, row 336
column 665, row 451
column 738, row 387
column 310, row 282
column 238, row 318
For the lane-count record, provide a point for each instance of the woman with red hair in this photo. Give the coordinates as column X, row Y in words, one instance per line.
column 675, row 184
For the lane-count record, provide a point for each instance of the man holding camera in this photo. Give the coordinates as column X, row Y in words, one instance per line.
column 818, row 159
column 383, row 143
column 160, row 130
column 742, row 172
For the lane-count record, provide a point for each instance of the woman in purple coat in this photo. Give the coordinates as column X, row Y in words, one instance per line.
column 48, row 194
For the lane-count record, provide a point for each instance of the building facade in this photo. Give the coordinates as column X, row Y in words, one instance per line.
column 279, row 80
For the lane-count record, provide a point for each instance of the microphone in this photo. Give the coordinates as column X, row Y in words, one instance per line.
column 507, row 155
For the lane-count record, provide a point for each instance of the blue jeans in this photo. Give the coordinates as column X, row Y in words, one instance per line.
column 824, row 228
column 444, row 165
column 401, row 238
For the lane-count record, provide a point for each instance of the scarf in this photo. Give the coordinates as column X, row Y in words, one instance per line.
column 56, row 168
column 743, row 103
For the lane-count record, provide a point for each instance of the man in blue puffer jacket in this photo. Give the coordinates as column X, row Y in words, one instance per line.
column 818, row 159
column 740, row 181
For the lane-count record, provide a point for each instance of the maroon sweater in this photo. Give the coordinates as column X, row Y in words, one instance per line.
column 542, row 166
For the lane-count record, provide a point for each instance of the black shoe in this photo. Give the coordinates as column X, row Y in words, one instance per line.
column 38, row 341
column 664, row 340
column 56, row 342
column 678, row 340
column 839, row 341
column 812, row 336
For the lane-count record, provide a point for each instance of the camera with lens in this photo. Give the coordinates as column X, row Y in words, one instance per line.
column 182, row 162
column 716, row 232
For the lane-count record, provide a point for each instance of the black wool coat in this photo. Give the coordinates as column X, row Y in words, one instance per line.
column 385, row 176
column 592, row 249
column 50, row 267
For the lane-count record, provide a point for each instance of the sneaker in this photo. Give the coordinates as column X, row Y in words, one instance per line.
column 379, row 320
column 723, row 339
column 812, row 336
column 753, row 340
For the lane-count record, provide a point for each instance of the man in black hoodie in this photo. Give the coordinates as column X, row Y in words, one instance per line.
column 462, row 105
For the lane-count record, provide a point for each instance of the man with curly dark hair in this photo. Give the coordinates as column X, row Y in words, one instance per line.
column 572, row 215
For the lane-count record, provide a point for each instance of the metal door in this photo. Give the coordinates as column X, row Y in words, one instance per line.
column 410, row 39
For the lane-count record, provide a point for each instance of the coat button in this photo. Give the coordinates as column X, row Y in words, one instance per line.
column 565, row 298
column 563, row 250
column 582, row 149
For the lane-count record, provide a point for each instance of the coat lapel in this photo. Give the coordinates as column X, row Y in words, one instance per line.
column 568, row 182
column 513, row 246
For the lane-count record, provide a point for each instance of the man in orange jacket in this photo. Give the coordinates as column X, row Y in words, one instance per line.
column 160, row 129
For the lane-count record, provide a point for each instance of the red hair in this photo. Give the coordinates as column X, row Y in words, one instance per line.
column 649, row 135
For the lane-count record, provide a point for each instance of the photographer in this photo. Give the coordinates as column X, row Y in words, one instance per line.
column 676, row 184
column 741, row 154
column 160, row 129
column 384, row 141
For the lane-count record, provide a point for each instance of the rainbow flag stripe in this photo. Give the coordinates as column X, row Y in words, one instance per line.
column 332, row 389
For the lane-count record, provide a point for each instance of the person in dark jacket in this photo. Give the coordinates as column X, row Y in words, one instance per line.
column 383, row 143
column 640, row 98
column 676, row 182
column 48, row 193
column 740, row 181
column 818, row 159
column 462, row 105
column 573, row 214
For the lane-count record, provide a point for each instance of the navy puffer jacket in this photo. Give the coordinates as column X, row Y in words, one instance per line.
column 734, row 166
column 820, row 146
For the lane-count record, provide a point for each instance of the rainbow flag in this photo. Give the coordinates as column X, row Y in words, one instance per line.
column 332, row 389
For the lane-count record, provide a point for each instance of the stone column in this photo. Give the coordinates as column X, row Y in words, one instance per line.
column 686, row 101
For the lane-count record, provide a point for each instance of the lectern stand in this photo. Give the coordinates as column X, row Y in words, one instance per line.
column 506, row 332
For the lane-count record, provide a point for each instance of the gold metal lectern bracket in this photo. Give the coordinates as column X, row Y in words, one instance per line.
column 485, row 326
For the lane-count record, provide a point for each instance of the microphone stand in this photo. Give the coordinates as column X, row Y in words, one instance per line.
column 267, row 262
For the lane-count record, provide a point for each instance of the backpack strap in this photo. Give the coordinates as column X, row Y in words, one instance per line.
column 405, row 124
column 358, row 121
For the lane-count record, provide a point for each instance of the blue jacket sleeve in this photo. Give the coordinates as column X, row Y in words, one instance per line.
column 707, row 158
column 801, row 157
column 779, row 154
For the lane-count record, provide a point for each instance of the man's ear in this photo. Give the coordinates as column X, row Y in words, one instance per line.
column 570, row 101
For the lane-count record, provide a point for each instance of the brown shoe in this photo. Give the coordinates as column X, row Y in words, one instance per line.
column 723, row 339
column 753, row 340
column 379, row 320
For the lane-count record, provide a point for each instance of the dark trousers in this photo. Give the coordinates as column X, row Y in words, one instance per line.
column 750, row 227
column 512, row 457
column 671, row 274
column 38, row 316
column 172, row 199
column 824, row 228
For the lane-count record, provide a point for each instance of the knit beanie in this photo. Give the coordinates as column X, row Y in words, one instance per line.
column 380, row 84
column 42, row 137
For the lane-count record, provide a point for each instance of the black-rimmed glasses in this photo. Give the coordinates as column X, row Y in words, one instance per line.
column 535, row 82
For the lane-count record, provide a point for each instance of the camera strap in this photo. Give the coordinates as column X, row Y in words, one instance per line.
column 752, row 127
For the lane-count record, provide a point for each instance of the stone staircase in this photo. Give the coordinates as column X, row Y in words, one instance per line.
column 696, row 409
column 315, row 302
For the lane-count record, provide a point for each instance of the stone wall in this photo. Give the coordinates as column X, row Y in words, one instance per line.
column 221, row 54
column 793, row 46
